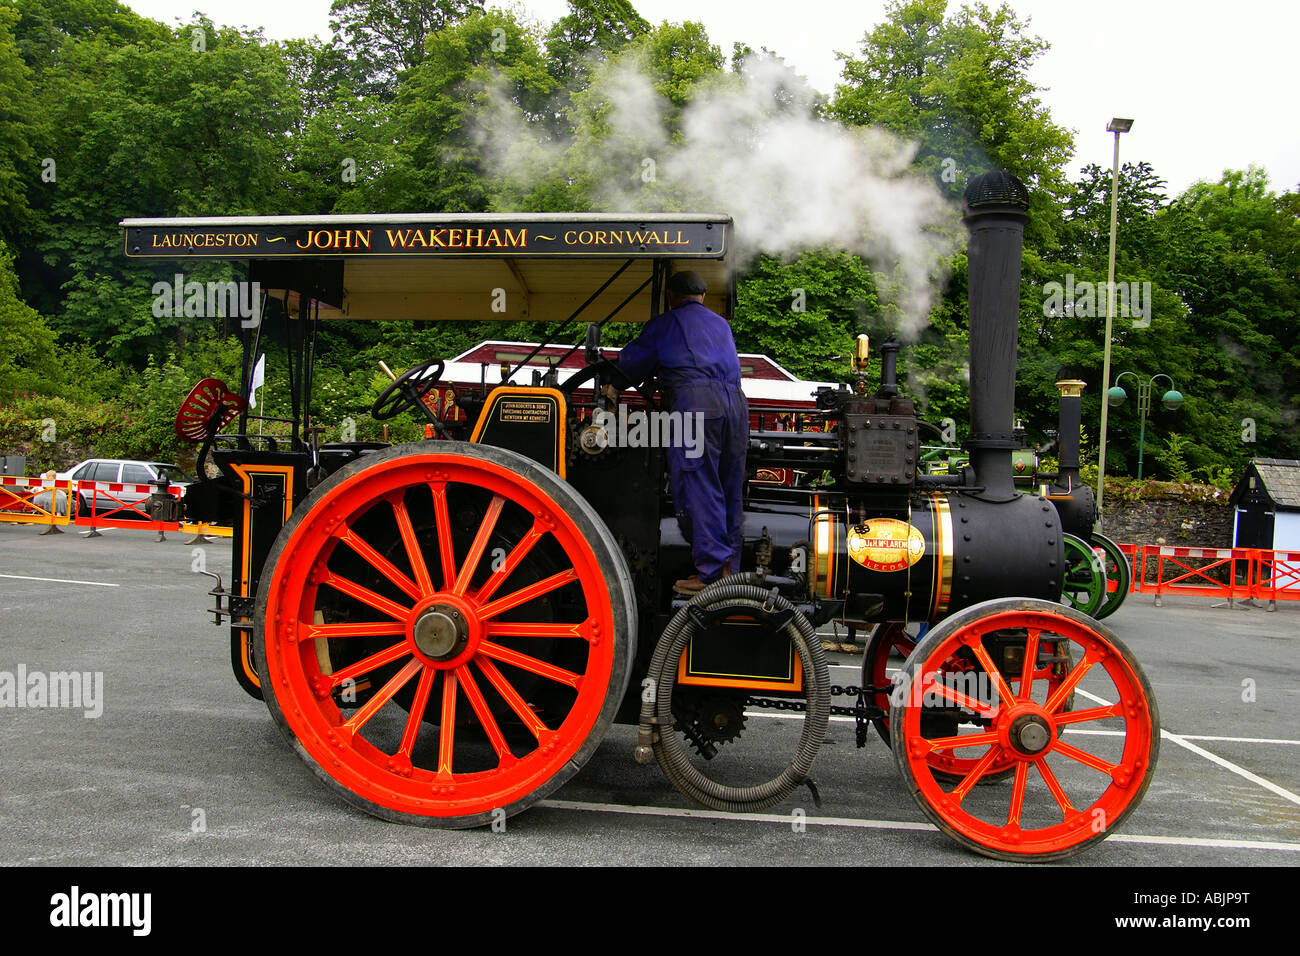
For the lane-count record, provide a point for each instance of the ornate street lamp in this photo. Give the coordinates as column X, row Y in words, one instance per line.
column 1171, row 400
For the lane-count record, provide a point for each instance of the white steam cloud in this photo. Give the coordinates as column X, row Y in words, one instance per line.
column 750, row 146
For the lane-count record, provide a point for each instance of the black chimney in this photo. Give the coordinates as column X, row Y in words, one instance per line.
column 1067, row 432
column 996, row 212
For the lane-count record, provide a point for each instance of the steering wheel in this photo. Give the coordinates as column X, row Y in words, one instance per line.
column 408, row 390
column 609, row 374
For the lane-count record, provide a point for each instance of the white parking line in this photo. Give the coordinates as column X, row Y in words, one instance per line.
column 1213, row 758
column 854, row 823
column 1231, row 740
column 23, row 577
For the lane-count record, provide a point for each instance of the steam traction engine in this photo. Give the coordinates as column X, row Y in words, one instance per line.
column 446, row 630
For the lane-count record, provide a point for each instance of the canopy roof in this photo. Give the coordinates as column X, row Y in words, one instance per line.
column 480, row 266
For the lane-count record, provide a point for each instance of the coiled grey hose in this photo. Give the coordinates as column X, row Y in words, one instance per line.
column 741, row 590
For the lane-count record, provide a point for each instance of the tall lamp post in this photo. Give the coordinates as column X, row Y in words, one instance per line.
column 1171, row 400
column 1116, row 126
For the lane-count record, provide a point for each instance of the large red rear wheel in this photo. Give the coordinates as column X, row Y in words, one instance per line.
column 1077, row 772
column 444, row 633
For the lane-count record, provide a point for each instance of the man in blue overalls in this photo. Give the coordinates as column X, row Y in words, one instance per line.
column 693, row 352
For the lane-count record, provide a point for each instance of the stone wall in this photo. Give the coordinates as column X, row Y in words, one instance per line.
column 1183, row 516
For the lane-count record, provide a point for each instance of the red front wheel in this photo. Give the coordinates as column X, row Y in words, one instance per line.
column 444, row 635
column 1076, row 773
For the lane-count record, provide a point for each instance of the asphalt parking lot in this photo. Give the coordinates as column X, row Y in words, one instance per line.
column 178, row 743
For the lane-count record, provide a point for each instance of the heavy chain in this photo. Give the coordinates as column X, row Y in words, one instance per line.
column 860, row 710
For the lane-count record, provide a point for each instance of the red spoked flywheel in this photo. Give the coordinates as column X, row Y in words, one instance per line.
column 205, row 398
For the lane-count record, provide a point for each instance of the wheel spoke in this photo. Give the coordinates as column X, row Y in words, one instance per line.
column 485, row 529
column 976, row 772
column 960, row 699
column 1003, row 688
column 1092, row 713
column 1071, row 681
column 380, row 563
column 579, row 629
column 1055, row 787
column 516, row 555
column 1018, row 794
column 442, row 521
column 447, row 724
column 526, row 594
column 416, row 716
column 367, row 664
column 490, row 727
column 963, row 740
column 365, row 595
column 363, row 629
column 1085, row 758
column 413, row 553
column 517, row 703
column 381, row 697
column 1030, row 662
column 531, row 664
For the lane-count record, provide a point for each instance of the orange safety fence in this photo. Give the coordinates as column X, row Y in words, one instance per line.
column 90, row 504
column 204, row 529
column 1277, row 577
column 1136, row 556
column 35, row 501
column 1187, row 571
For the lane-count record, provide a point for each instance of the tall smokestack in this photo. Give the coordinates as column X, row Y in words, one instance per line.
column 996, row 212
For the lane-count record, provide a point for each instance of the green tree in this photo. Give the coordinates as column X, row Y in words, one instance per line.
column 384, row 39
column 959, row 86
column 591, row 28
column 22, row 131
column 182, row 127
column 28, row 359
column 482, row 87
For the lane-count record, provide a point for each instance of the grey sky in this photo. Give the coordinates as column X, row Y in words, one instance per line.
column 1211, row 85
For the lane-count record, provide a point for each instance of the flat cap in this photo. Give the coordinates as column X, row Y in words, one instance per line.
column 686, row 283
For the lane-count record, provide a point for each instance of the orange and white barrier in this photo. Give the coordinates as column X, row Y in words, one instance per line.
column 36, row 501
column 109, row 509
column 113, row 504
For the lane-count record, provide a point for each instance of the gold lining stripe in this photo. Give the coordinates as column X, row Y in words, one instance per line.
column 943, row 538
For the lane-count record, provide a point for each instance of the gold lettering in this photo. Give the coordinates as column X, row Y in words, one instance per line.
column 519, row 241
column 419, row 239
column 363, row 238
column 494, row 238
column 585, row 237
column 454, row 237
column 397, row 240
column 473, row 237
column 569, row 237
column 600, row 237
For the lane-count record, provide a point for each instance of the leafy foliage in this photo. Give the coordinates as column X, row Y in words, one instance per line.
column 418, row 105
